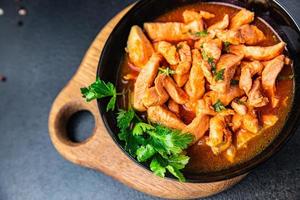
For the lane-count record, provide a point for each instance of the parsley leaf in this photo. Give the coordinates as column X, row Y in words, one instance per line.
column 199, row 33
column 219, row 106
column 212, row 64
column 167, row 71
column 226, row 46
column 145, row 152
column 140, row 128
column 124, row 118
column 176, row 173
column 157, row 167
column 99, row 89
column 234, row 82
column 219, row 75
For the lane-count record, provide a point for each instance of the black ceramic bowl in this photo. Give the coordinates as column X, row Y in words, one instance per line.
column 148, row 10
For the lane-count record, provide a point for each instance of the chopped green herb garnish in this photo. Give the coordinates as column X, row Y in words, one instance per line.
column 219, row 106
column 226, row 46
column 212, row 64
column 204, row 55
column 167, row 71
column 98, row 90
column 219, row 75
column 199, row 33
column 234, row 82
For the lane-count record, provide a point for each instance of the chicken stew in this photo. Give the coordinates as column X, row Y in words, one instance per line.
column 214, row 71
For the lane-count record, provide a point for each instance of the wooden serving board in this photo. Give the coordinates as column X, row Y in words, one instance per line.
column 99, row 152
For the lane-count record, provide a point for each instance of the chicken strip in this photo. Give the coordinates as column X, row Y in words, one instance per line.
column 249, row 69
column 168, row 51
column 269, row 120
column 257, row 52
column 243, row 137
column 255, row 96
column 220, row 137
column 190, row 15
column 195, row 87
column 139, row 47
column 175, row 92
column 242, row 17
column 198, row 127
column 157, row 95
column 145, row 80
column 173, row 31
column 161, row 115
column 230, row 153
column 233, row 37
column 239, row 107
column 250, row 121
column 226, row 69
column 212, row 49
column 251, row 34
column 269, row 76
column 174, row 107
column 221, row 25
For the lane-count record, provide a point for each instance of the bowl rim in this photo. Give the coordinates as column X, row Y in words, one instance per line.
column 236, row 170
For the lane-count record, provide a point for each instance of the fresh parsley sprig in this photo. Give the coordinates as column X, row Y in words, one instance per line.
column 155, row 144
column 98, row 90
column 160, row 147
column 167, row 71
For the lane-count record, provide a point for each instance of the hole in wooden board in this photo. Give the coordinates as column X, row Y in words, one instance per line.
column 80, row 126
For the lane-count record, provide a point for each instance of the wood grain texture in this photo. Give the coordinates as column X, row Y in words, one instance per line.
column 99, row 152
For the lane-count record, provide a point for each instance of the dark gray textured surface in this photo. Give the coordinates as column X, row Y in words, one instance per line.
column 38, row 60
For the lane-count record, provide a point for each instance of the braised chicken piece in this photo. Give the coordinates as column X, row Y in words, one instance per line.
column 139, row 47
column 175, row 92
column 161, row 115
column 239, row 107
column 226, row 98
column 195, row 87
column 145, row 80
column 198, row 127
column 212, row 49
column 241, row 18
column 221, row 25
column 226, row 68
column 183, row 68
column 205, row 105
column 269, row 75
column 251, row 34
column 174, row 107
column 220, row 137
column 169, row 52
column 250, row 121
column 249, row 69
column 269, row 120
column 257, row 52
column 189, row 16
column 255, row 96
column 230, row 153
column 173, row 31
column 157, row 95
column 233, row 37
column 243, row 137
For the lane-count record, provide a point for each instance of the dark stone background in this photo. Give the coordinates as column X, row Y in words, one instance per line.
column 38, row 59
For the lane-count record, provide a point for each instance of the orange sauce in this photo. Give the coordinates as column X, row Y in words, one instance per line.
column 202, row 158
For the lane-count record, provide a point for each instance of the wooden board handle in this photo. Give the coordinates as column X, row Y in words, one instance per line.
column 99, row 151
